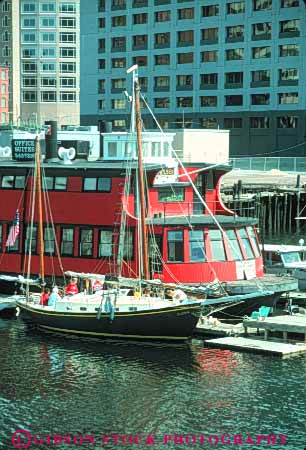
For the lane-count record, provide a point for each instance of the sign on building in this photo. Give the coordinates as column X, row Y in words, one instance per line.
column 23, row 149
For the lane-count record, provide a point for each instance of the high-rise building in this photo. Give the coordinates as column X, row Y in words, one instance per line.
column 239, row 65
column 40, row 45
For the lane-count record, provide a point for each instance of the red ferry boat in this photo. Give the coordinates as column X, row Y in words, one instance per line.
column 191, row 241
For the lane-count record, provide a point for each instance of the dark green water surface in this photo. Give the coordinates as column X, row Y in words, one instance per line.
column 54, row 385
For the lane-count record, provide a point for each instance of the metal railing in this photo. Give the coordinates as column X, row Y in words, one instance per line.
column 266, row 164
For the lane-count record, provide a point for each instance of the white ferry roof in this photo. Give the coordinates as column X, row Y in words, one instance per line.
column 276, row 248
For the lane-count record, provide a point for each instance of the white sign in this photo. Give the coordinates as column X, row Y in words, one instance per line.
column 246, row 270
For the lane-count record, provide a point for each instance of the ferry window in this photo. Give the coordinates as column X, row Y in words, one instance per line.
column 217, row 245
column 55, row 183
column 171, row 194
column 175, row 246
column 246, row 243
column 233, row 244
column 13, row 182
column 1, row 234
column 210, row 180
column 67, row 241
column 100, row 184
column 49, row 240
column 196, row 246
column 30, row 244
column 105, row 243
column 86, row 242
column 128, row 248
column 112, row 149
column 254, row 240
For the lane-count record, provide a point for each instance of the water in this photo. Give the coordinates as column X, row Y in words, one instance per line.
column 58, row 385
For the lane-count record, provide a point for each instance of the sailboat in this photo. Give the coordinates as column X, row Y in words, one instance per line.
column 123, row 308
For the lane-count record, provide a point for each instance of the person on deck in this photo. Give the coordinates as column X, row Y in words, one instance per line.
column 54, row 297
column 97, row 286
column 45, row 297
column 72, row 287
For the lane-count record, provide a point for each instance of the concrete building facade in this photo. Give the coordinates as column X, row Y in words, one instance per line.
column 4, row 89
column 40, row 45
column 238, row 65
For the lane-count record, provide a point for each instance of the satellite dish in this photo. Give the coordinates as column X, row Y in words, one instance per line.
column 67, row 154
column 5, row 152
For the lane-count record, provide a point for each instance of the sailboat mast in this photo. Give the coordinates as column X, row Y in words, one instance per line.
column 40, row 218
column 141, row 182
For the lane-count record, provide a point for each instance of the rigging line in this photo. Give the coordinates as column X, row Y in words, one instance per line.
column 32, row 209
column 260, row 285
column 30, row 179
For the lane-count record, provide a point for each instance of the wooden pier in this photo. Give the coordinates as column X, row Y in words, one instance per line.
column 262, row 341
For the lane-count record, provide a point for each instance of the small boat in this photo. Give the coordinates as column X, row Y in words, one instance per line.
column 286, row 259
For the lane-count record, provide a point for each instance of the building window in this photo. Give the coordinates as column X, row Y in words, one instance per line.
column 162, row 16
column 184, row 102
column 288, row 75
column 259, row 76
column 101, row 184
column 162, row 82
column 140, row 41
column 118, row 103
column 196, row 246
column 209, row 56
column 162, row 40
column 288, row 98
column 235, row 8
column 261, row 5
column 119, row 21
column 208, row 122
column 67, row 22
column 290, row 26
column 67, row 7
column 101, row 104
column 47, row 22
column 119, row 43
column 209, row 80
column 101, row 22
column 86, row 242
column 29, row 7
column 233, row 244
column 210, row 11
column 29, row 22
column 234, row 54
column 260, row 99
column 47, row 37
column 185, row 38
column 48, row 7
column 67, row 97
column 27, row 38
column 235, row 33
column 209, row 35
column 162, row 102
column 175, row 246
column 185, row 13
column 55, row 183
column 47, row 82
column 67, row 52
column 118, row 63
column 29, row 96
column 49, row 240
column 67, row 82
column 289, row 50
column 105, row 244
column 118, row 4
column 48, row 52
column 185, row 58
column 184, row 81
column 217, row 245
column 162, row 60
column 233, row 79
column 48, row 96
column 209, row 101
column 128, row 246
column 29, row 52
column 101, row 64
column 140, row 60
column 232, row 122
column 139, row 19
column 262, row 30
column 261, row 52
column 68, row 67
column 118, row 83
column 289, row 3
column 101, row 45
column 234, row 100
column 259, row 122
column 68, row 37
column 287, row 122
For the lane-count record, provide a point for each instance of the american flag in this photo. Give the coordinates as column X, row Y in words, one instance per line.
column 14, row 231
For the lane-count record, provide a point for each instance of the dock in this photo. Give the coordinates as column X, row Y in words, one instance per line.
column 257, row 336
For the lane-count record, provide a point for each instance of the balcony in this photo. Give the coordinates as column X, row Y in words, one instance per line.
column 205, row 86
column 184, row 87
column 184, row 43
column 161, row 88
column 233, row 39
column 289, row 34
column 140, row 3
column 263, row 83
column 261, row 37
column 288, row 82
column 209, row 41
column 162, row 45
column 121, row 48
